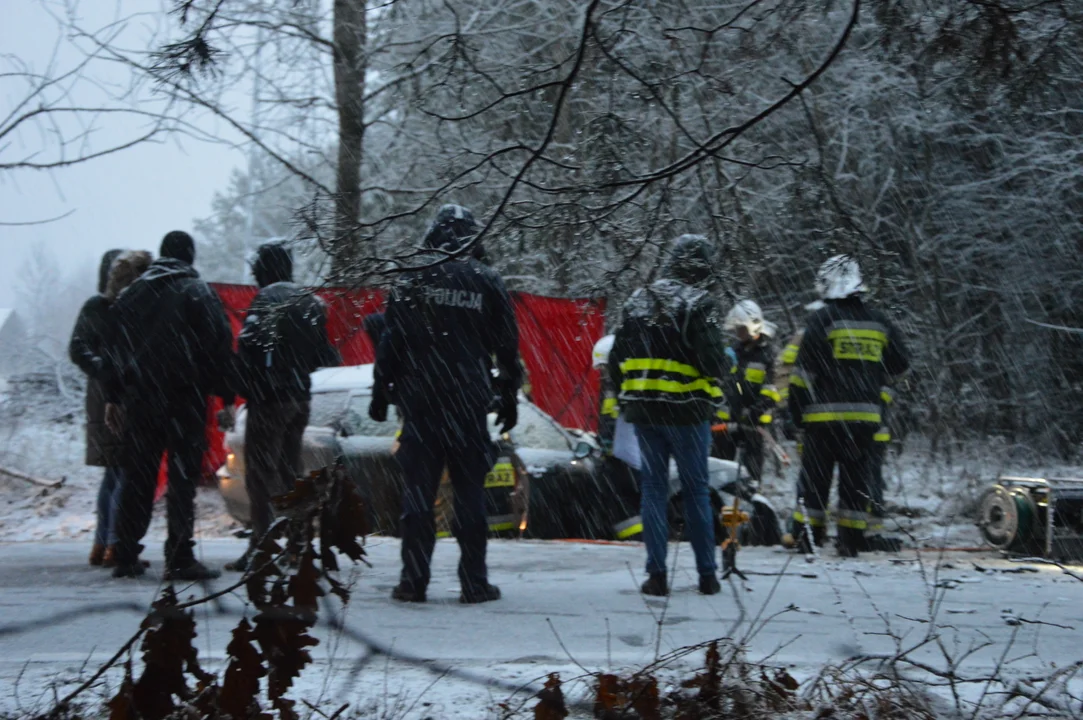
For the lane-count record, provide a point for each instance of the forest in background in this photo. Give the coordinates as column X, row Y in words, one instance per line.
column 938, row 142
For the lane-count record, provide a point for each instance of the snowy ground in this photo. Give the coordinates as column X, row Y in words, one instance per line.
column 572, row 608
column 569, row 608
column 43, row 436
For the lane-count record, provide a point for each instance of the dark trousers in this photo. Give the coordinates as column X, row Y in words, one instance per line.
column 876, row 486
column 724, row 445
column 850, row 446
column 462, row 445
column 272, row 455
column 178, row 429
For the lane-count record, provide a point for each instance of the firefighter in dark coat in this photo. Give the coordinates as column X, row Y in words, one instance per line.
column 446, row 324
column 170, row 347
column 752, row 395
column 848, row 352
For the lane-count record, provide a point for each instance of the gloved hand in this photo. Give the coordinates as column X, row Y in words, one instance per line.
column 507, row 414
column 732, row 355
column 378, row 407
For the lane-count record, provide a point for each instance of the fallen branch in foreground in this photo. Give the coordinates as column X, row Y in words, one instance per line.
column 50, row 484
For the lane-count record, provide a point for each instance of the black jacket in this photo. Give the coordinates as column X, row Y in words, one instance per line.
column 753, row 393
column 87, row 349
column 848, row 353
column 669, row 357
column 283, row 340
column 170, row 341
column 445, row 327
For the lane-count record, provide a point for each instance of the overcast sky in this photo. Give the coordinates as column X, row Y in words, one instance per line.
column 128, row 200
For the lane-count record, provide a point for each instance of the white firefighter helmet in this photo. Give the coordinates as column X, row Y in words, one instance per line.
column 839, row 277
column 745, row 313
column 602, row 348
column 770, row 330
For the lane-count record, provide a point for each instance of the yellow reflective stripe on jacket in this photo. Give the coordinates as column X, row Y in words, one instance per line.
column 858, row 333
column 882, row 435
column 723, row 414
column 886, row 396
column 671, row 386
column 784, row 394
column 789, row 354
column 766, row 419
column 842, row 412
column 609, row 407
column 771, row 392
column 634, row 364
column 756, row 374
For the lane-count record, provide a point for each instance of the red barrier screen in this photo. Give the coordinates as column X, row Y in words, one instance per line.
column 555, row 341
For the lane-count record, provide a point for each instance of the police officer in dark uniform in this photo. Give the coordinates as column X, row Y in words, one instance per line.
column 446, row 323
column 848, row 352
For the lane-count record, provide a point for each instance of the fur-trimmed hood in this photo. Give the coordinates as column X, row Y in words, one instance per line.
column 126, row 268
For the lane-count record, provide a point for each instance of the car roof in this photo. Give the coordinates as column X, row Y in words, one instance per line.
column 357, row 378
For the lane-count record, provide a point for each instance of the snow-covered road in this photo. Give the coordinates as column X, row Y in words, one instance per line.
column 561, row 601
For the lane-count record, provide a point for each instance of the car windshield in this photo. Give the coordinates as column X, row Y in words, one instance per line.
column 326, row 407
column 358, row 422
column 536, row 430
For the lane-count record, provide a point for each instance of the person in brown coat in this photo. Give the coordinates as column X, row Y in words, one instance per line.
column 103, row 449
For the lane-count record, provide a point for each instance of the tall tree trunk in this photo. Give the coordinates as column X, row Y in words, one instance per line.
column 350, row 65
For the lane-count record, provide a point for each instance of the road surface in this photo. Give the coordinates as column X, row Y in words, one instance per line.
column 567, row 606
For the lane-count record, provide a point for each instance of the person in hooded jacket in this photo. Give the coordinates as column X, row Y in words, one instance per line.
column 169, row 347
column 102, row 448
column 283, row 340
column 446, row 323
column 848, row 353
column 668, row 362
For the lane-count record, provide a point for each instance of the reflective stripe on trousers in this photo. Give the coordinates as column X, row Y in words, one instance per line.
column 842, row 412
column 815, row 518
column 854, row 519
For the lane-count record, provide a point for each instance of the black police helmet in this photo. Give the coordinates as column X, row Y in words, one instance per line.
column 691, row 259
column 452, row 228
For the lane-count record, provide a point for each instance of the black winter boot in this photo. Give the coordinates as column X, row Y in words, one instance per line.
column 129, row 569
column 405, row 592
column 474, row 594
column 850, row 542
column 656, row 585
column 709, row 584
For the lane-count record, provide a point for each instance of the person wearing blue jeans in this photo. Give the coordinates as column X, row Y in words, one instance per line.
column 689, row 446
column 105, row 534
column 668, row 361
column 88, row 351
